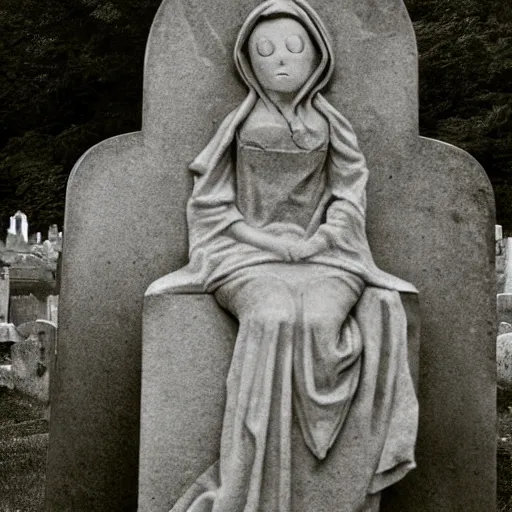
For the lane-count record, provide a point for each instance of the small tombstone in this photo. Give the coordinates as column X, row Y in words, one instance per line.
column 54, row 237
column 50, row 254
column 52, row 308
column 504, row 359
column 504, row 307
column 8, row 336
column 26, row 308
column 498, row 232
column 504, row 328
column 501, row 264
column 17, row 234
column 19, row 225
column 31, row 358
column 507, row 250
column 53, row 233
column 4, row 293
column 9, row 333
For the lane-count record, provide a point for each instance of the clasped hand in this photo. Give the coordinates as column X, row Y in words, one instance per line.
column 288, row 249
column 294, row 250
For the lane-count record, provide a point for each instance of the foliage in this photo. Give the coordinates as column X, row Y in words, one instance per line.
column 465, row 49
column 72, row 76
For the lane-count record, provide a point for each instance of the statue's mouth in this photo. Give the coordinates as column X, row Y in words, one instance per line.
column 282, row 73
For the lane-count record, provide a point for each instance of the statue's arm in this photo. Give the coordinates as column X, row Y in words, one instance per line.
column 347, row 177
column 306, row 248
column 242, row 232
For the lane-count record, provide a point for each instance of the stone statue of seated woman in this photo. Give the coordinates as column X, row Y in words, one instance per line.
column 277, row 233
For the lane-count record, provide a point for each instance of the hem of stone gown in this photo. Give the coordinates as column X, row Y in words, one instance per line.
column 202, row 493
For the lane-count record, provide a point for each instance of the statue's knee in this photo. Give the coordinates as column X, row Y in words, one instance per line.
column 327, row 312
column 274, row 309
column 322, row 319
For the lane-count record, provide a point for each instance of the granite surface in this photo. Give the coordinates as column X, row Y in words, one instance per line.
column 430, row 221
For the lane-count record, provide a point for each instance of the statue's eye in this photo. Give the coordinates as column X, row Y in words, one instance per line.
column 295, row 44
column 265, row 47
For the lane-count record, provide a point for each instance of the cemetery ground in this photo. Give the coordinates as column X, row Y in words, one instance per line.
column 23, row 444
column 504, row 450
column 24, row 440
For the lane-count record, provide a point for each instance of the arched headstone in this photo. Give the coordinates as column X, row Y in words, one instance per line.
column 430, row 221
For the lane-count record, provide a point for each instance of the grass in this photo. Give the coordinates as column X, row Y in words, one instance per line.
column 23, row 445
column 504, row 450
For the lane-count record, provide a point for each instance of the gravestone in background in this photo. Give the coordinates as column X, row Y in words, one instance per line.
column 31, row 358
column 4, row 294
column 504, row 357
column 26, row 308
column 17, row 234
column 501, row 259
column 430, row 221
column 52, row 308
column 504, row 274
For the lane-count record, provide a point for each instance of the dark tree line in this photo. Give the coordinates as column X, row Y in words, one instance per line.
column 465, row 49
column 72, row 76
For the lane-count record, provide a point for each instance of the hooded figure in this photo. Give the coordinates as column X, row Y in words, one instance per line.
column 277, row 231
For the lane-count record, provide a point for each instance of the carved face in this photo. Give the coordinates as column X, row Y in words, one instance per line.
column 282, row 55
